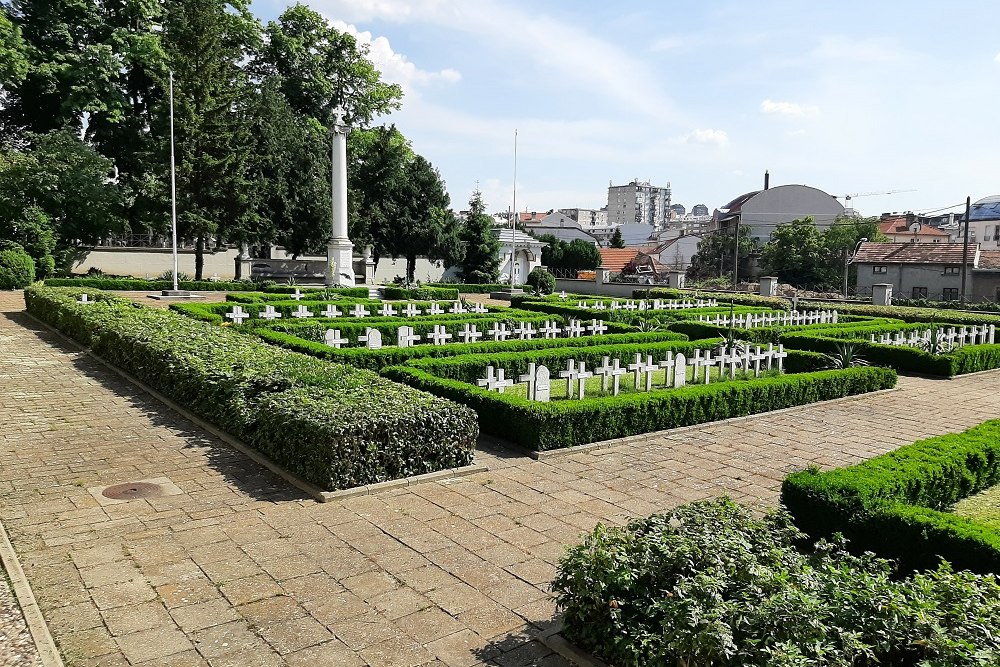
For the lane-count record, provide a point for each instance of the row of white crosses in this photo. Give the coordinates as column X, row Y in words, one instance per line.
column 405, row 337
column 642, row 368
column 237, row 315
column 975, row 335
column 655, row 304
column 751, row 320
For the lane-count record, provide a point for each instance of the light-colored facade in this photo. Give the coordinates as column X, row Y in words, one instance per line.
column 519, row 250
column 639, row 202
column 587, row 217
column 763, row 210
column 915, row 270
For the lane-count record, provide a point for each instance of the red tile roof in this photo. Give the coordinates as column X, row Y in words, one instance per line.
column 913, row 253
column 616, row 258
column 989, row 260
column 899, row 226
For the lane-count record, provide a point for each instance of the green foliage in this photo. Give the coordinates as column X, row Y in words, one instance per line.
column 55, row 196
column 773, row 334
column 617, row 240
column 424, row 293
column 711, row 584
column 17, row 269
column 739, row 298
column 894, row 504
column 908, row 314
column 798, row 255
column 715, row 253
column 542, row 281
column 481, row 262
column 13, row 56
column 543, row 426
column 575, row 255
column 375, row 360
column 333, row 425
column 845, row 355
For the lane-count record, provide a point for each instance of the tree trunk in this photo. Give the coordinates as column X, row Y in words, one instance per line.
column 199, row 257
column 411, row 268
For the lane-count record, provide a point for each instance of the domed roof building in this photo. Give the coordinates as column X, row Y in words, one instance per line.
column 763, row 210
column 987, row 208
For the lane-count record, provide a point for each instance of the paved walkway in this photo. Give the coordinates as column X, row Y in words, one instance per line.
column 240, row 569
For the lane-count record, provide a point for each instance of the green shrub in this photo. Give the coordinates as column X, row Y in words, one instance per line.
column 140, row 285
column 474, row 288
column 710, row 584
column 892, row 504
column 849, row 328
column 17, row 269
column 392, row 293
column 375, row 360
column 911, row 314
column 542, row 281
column 543, row 426
column 331, row 424
column 772, row 302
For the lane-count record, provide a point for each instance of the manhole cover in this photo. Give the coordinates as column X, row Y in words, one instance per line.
column 132, row 490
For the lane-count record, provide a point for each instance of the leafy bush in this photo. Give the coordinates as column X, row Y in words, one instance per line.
column 543, row 426
column 892, row 504
column 422, row 293
column 710, row 584
column 375, row 360
column 331, row 424
column 17, row 269
column 140, row 285
column 542, row 281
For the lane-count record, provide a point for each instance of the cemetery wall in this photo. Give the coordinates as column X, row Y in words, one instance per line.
column 152, row 262
column 576, row 286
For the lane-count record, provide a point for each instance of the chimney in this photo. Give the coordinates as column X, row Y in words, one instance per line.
column 767, row 180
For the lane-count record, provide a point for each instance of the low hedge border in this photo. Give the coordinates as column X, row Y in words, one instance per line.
column 215, row 312
column 311, row 295
column 393, row 293
column 772, row 334
column 906, row 314
column 141, row 285
column 477, row 288
column 375, row 360
column 332, row 425
column 967, row 359
column 571, row 310
column 892, row 504
column 546, row 426
column 774, row 302
column 351, row 328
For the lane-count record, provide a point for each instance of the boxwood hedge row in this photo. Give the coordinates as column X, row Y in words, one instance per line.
column 772, row 334
column 567, row 309
column 331, row 424
column 892, row 504
column 393, row 293
column 362, row 357
column 746, row 299
column 544, row 426
column 215, row 312
column 967, row 359
column 140, row 285
column 475, row 288
column 907, row 314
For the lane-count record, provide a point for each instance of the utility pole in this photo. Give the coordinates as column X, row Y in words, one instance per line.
column 965, row 249
column 736, row 253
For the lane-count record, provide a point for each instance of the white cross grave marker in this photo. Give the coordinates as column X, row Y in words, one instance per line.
column 331, row 311
column 236, row 315
column 581, row 375
column 435, row 309
column 597, row 327
column 573, row 329
column 549, row 329
column 86, row 299
column 387, row 310
column 499, row 332
column 470, row 334
column 360, row 311
column 524, row 331
column 411, row 310
column 440, row 335
column 302, row 312
column 298, row 295
column 457, row 309
column 372, row 339
column 571, row 375
column 333, row 338
column 405, row 336
column 668, row 366
column 269, row 313
column 494, row 380
column 604, row 370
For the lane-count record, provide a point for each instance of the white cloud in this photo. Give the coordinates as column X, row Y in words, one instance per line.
column 787, row 108
column 795, row 133
column 395, row 67
column 997, row 58
column 705, row 136
column 667, row 44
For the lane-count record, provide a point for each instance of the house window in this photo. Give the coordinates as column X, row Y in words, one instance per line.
column 950, row 294
column 919, row 292
column 951, row 270
column 880, row 269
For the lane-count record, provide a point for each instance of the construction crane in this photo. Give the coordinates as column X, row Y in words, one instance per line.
column 847, row 198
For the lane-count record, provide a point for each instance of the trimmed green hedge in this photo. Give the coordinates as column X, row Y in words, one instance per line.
column 375, row 360
column 140, row 285
column 345, row 295
column 351, row 328
column 569, row 308
column 772, row 334
column 746, row 299
column 892, row 504
column 215, row 312
column 331, row 424
column 929, row 315
column 476, row 288
column 967, row 359
column 391, row 293
column 544, row 426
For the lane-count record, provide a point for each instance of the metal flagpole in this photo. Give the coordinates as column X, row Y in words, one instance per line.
column 173, row 181
column 513, row 247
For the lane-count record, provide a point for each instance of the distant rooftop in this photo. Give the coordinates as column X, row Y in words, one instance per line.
column 987, row 208
column 914, row 253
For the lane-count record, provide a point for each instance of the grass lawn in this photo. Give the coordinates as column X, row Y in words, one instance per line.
column 983, row 507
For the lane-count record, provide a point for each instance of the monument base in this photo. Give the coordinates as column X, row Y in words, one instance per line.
column 505, row 295
column 175, row 294
column 340, row 263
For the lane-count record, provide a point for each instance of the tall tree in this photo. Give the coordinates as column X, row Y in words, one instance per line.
column 206, row 41
column 376, row 166
column 13, row 54
column 617, row 240
column 321, row 68
column 715, row 253
column 798, row 255
column 481, row 263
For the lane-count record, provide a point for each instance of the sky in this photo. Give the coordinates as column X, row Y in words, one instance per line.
column 849, row 97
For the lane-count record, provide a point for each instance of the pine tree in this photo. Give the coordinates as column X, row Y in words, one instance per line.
column 482, row 247
column 617, row 240
column 206, row 41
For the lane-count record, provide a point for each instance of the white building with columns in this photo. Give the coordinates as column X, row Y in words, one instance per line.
column 526, row 251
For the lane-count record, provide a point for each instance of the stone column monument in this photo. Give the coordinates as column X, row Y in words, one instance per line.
column 340, row 250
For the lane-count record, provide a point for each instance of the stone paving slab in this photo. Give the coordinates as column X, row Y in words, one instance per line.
column 242, row 569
